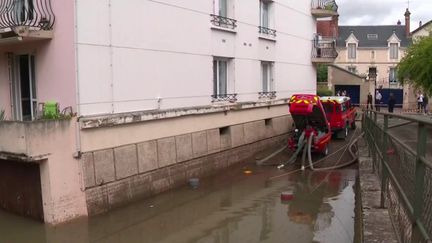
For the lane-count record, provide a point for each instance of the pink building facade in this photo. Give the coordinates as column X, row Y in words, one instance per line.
column 193, row 88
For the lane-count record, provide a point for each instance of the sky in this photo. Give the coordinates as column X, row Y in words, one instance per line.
column 383, row 12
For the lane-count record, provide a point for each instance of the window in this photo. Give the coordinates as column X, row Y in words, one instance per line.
column 352, row 69
column 372, row 36
column 221, row 8
column 394, row 51
column 393, row 75
column 265, row 9
column 372, row 73
column 24, row 10
column 372, row 54
column 267, row 76
column 220, row 77
column 352, row 51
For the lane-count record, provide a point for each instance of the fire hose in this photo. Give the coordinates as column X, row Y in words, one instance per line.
column 306, row 148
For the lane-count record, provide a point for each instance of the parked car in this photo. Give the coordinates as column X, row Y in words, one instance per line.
column 340, row 113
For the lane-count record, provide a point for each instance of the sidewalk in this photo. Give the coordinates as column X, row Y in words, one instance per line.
column 376, row 223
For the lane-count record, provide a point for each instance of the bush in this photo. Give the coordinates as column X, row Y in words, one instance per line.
column 324, row 92
column 2, row 115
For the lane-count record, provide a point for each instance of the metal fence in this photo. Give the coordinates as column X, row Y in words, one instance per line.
column 398, row 146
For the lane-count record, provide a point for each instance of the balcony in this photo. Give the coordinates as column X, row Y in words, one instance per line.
column 324, row 50
column 267, row 33
column 270, row 95
column 324, row 8
column 223, row 22
column 231, row 98
column 25, row 20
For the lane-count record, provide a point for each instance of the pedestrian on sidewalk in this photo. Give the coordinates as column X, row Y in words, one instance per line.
column 425, row 104
column 378, row 98
column 391, row 103
column 420, row 102
column 369, row 101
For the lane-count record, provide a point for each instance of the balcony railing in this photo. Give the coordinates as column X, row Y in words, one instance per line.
column 267, row 95
column 324, row 49
column 224, row 97
column 35, row 14
column 223, row 22
column 267, row 31
column 324, row 8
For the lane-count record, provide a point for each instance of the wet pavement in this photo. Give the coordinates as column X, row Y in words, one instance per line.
column 240, row 204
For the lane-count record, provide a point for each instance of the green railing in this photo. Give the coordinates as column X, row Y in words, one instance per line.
column 402, row 160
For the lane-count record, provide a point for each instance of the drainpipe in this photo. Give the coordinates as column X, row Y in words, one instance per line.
column 77, row 154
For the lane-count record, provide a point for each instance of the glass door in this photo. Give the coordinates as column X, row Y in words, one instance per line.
column 24, row 88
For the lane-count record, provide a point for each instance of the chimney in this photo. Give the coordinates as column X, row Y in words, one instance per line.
column 420, row 24
column 399, row 22
column 334, row 25
column 407, row 22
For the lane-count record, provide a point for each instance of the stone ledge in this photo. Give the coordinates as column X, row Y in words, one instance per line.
column 142, row 116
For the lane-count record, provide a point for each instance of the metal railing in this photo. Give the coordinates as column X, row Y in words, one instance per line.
column 267, row 31
column 325, row 4
column 224, row 97
column 324, row 47
column 405, row 170
column 223, row 22
column 268, row 95
column 37, row 14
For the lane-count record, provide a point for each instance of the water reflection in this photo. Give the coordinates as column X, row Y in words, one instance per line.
column 230, row 207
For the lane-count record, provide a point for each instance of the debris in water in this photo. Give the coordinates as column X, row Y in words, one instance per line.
column 287, row 196
column 247, row 172
column 194, row 182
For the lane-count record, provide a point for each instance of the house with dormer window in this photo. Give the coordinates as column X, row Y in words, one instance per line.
column 371, row 51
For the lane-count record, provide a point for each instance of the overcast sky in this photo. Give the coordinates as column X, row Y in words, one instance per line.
column 383, row 12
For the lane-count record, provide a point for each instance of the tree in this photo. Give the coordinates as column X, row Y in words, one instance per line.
column 322, row 71
column 416, row 67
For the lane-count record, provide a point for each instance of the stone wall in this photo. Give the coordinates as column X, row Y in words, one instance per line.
column 119, row 175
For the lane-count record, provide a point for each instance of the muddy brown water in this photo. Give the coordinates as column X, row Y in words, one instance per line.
column 230, row 207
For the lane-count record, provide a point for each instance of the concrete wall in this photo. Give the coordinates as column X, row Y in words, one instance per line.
column 121, row 135
column 122, row 174
column 126, row 66
column 54, row 61
column 52, row 145
column 336, row 76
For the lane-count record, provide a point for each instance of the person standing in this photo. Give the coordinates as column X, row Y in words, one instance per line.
column 378, row 98
column 391, row 103
column 369, row 101
column 425, row 104
column 420, row 102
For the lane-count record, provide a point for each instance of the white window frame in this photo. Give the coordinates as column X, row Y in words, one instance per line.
column 394, row 51
column 267, row 76
column 266, row 13
column 352, row 51
column 223, row 8
column 218, row 88
column 17, row 98
column 393, row 79
column 352, row 69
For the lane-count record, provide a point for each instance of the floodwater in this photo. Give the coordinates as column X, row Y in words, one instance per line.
column 230, row 207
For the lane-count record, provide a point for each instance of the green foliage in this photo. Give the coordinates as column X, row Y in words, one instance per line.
column 322, row 71
column 416, row 67
column 2, row 115
column 324, row 92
